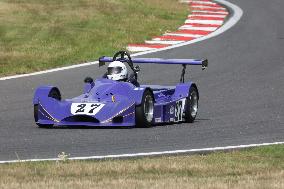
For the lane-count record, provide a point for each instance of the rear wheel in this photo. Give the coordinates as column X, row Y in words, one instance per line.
column 191, row 105
column 145, row 111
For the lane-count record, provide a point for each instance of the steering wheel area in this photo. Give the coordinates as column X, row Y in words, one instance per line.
column 120, row 56
column 124, row 56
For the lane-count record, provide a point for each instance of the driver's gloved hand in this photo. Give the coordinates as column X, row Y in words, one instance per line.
column 133, row 81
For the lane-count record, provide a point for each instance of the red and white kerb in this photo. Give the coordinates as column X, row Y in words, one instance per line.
column 206, row 16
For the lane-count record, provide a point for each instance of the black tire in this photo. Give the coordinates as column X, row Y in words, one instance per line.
column 145, row 111
column 36, row 118
column 53, row 93
column 191, row 106
column 36, row 112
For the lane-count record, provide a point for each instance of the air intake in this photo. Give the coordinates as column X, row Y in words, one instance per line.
column 118, row 119
column 81, row 118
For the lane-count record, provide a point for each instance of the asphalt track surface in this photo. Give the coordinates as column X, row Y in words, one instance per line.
column 241, row 96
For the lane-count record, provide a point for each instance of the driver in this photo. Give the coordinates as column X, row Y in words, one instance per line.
column 118, row 71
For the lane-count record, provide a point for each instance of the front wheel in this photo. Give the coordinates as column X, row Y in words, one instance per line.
column 36, row 118
column 191, row 105
column 145, row 111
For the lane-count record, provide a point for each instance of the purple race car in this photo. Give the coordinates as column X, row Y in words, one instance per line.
column 120, row 102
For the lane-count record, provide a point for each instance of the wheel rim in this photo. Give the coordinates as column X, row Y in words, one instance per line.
column 193, row 99
column 149, row 108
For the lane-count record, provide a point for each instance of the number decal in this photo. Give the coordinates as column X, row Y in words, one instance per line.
column 94, row 106
column 86, row 108
column 81, row 108
column 179, row 109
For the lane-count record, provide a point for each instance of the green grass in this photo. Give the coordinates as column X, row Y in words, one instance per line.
column 251, row 168
column 41, row 34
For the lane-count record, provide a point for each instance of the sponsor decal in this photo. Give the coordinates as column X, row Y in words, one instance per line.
column 179, row 109
column 158, row 120
column 161, row 95
column 138, row 88
column 113, row 98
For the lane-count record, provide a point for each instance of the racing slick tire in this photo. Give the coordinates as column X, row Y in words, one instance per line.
column 145, row 111
column 36, row 118
column 191, row 106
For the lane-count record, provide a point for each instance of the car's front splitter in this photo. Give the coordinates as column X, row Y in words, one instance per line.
column 89, row 124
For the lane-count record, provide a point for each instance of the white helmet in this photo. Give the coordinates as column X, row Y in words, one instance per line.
column 117, row 71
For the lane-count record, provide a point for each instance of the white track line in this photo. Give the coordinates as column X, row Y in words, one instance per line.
column 230, row 23
column 139, row 49
column 199, row 150
column 49, row 71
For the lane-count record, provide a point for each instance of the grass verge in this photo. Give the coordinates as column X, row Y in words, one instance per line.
column 38, row 34
column 261, row 167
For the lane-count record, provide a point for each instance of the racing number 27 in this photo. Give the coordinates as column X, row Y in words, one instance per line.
column 81, row 108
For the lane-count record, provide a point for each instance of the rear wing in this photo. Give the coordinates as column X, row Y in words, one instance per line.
column 124, row 56
column 202, row 62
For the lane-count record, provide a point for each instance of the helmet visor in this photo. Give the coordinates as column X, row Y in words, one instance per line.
column 113, row 70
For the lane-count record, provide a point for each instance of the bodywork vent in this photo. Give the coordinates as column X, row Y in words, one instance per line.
column 118, row 119
column 81, row 118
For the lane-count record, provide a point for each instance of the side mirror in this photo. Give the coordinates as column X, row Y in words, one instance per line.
column 89, row 84
column 88, row 80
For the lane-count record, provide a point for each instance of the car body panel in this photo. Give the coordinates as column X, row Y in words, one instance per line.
column 107, row 102
column 113, row 104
